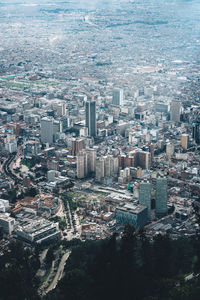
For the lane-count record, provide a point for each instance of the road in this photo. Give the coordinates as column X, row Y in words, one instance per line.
column 59, row 272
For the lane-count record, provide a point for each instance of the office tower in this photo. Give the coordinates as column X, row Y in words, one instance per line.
column 145, row 196
column 47, row 130
column 175, row 111
column 196, row 131
column 99, row 169
column 91, row 117
column 161, row 196
column 184, row 141
column 117, row 97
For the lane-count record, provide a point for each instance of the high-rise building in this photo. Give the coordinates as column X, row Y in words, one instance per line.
column 142, row 159
column 86, row 160
column 145, row 196
column 169, row 150
column 99, row 169
column 184, row 141
column 151, row 150
column 91, row 117
column 57, row 128
column 196, row 131
column 47, row 130
column 117, row 97
column 81, row 165
column 91, row 153
column 175, row 111
column 61, row 109
column 77, row 146
column 161, row 196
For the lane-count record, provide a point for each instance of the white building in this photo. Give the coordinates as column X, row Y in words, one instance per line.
column 38, row 230
column 11, row 147
column 117, row 97
column 4, row 205
column 7, row 223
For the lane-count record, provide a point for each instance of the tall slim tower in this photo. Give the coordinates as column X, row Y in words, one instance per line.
column 91, row 117
column 196, row 130
column 161, row 196
column 47, row 130
column 145, row 196
column 117, row 98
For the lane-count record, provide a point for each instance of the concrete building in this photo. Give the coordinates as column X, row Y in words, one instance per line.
column 99, row 169
column 91, row 117
column 51, row 175
column 57, row 128
column 145, row 196
column 175, row 111
column 135, row 215
column 161, row 196
column 4, row 205
column 32, row 148
column 162, row 107
column 61, row 109
column 38, row 230
column 86, row 163
column 81, row 165
column 117, row 97
column 169, row 150
column 142, row 159
column 196, row 130
column 91, row 160
column 11, row 147
column 7, row 223
column 184, row 141
column 47, row 130
column 77, row 146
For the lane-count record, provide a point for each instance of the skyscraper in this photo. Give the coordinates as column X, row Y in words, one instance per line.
column 145, row 196
column 90, row 111
column 117, row 98
column 196, row 130
column 175, row 111
column 184, row 141
column 161, row 196
column 47, row 130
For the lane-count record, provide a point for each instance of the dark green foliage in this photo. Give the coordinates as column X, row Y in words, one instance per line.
column 132, row 267
column 49, row 257
column 17, row 273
